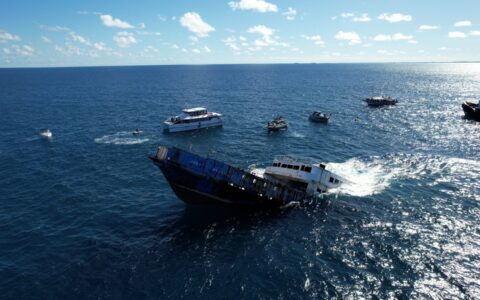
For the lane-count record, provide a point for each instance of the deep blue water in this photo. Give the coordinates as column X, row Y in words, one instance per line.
column 87, row 215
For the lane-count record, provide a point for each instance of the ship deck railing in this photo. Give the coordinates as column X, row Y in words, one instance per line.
column 235, row 176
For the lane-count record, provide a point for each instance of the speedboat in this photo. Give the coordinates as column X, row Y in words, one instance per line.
column 193, row 119
column 277, row 124
column 300, row 173
column 319, row 117
column 381, row 101
column 46, row 133
column 471, row 110
column 137, row 132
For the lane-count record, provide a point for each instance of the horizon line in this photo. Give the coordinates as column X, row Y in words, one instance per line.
column 244, row 64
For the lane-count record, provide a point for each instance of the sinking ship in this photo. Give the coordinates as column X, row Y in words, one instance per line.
column 199, row 180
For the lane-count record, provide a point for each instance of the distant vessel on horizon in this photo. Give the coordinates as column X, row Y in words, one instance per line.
column 193, row 119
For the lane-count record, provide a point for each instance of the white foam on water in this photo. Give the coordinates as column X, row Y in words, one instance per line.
column 297, row 135
column 362, row 178
column 121, row 138
column 375, row 174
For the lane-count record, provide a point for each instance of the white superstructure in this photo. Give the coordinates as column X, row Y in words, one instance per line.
column 192, row 119
column 305, row 173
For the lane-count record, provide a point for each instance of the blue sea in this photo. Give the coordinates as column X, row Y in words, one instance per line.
column 86, row 215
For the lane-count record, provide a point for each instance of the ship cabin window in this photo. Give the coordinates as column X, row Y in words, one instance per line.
column 290, row 166
column 331, row 180
column 302, row 168
column 197, row 113
column 308, row 169
column 284, row 165
column 322, row 166
column 296, row 167
column 336, row 181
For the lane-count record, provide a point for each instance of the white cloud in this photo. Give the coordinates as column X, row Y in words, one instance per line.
column 68, row 50
column 193, row 22
column 196, row 51
column 232, row 43
column 7, row 51
column 428, row 27
column 347, row 15
column 363, row 18
column 24, row 50
column 6, row 37
column 100, row 46
column 267, row 35
column 206, row 49
column 401, row 37
column 381, row 51
column 352, row 37
column 45, row 39
column 290, row 14
column 412, row 42
column 457, row 34
column 155, row 33
column 79, row 38
column 124, row 39
column 395, row 37
column 257, row 5
column 465, row 23
column 193, row 39
column 109, row 21
column 174, row 46
column 316, row 39
column 54, row 28
column 382, row 38
column 395, row 18
column 475, row 33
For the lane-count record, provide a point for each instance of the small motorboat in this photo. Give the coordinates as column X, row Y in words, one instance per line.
column 137, row 132
column 46, row 133
column 319, row 117
column 471, row 110
column 381, row 101
column 277, row 124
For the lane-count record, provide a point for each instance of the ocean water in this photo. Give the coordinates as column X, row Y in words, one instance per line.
column 86, row 215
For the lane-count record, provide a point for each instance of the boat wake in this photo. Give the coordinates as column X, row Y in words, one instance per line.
column 297, row 135
column 121, row 138
column 362, row 178
column 374, row 175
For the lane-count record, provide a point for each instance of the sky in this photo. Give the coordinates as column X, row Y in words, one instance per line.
column 155, row 32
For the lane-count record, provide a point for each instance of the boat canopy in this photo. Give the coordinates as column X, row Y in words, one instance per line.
column 195, row 111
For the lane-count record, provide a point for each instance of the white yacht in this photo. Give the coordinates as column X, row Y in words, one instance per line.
column 192, row 119
column 305, row 174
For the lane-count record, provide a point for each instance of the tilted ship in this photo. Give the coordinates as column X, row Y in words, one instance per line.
column 198, row 180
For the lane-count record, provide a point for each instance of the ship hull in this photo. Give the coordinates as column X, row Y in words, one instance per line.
column 181, row 127
column 198, row 180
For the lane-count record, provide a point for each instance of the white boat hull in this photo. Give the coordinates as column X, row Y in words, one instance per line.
column 179, row 127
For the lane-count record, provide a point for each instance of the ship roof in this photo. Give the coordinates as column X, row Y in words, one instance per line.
column 296, row 160
column 194, row 109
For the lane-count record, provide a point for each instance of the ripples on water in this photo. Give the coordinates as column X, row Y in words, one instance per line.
column 86, row 215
